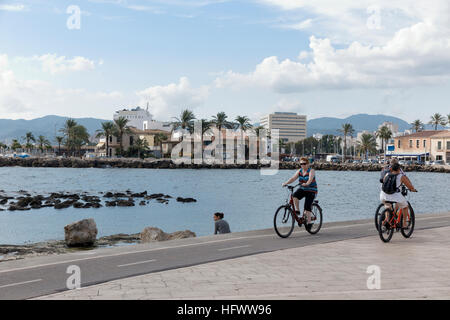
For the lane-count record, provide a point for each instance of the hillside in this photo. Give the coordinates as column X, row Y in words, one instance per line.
column 47, row 126
column 360, row 122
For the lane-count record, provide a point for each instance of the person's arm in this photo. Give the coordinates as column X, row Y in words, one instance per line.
column 292, row 179
column 312, row 173
column 405, row 180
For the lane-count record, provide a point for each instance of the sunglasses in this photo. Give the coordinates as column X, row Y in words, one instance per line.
column 303, row 164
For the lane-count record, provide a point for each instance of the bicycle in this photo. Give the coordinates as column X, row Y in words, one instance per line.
column 285, row 217
column 395, row 222
column 379, row 210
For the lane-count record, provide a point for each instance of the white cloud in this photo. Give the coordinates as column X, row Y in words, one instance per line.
column 416, row 55
column 55, row 64
column 168, row 101
column 12, row 7
column 28, row 99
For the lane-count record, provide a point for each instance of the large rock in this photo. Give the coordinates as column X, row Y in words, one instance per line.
column 81, row 233
column 151, row 234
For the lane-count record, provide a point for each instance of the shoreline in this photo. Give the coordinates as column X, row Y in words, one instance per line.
column 169, row 164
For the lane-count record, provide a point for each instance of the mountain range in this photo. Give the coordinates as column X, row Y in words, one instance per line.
column 49, row 126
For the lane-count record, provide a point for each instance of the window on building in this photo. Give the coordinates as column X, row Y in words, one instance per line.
column 448, row 145
column 399, row 143
column 417, row 143
column 438, row 157
column 424, row 143
column 439, row 145
column 410, row 143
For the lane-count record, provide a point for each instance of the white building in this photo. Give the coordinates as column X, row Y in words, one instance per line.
column 292, row 126
column 142, row 119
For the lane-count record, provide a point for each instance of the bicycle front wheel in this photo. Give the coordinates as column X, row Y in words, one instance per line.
column 385, row 231
column 410, row 222
column 377, row 214
column 283, row 221
column 316, row 219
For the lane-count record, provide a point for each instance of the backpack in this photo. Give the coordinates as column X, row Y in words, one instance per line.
column 390, row 184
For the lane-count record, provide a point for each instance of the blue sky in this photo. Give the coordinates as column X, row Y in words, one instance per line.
column 328, row 58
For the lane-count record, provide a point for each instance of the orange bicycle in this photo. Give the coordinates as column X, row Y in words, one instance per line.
column 395, row 222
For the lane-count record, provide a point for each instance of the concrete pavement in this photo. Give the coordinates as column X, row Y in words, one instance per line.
column 415, row 268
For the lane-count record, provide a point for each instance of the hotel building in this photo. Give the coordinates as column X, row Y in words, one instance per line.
column 291, row 125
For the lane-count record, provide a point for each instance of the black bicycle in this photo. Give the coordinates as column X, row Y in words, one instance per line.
column 285, row 217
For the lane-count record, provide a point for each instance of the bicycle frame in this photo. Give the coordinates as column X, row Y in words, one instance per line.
column 397, row 215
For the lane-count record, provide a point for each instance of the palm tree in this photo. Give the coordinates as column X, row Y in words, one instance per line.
column 106, row 131
column 68, row 132
column 347, row 129
column 220, row 121
column 120, row 129
column 185, row 121
column 417, row 125
column 80, row 137
column 436, row 120
column 368, row 144
column 43, row 143
column 15, row 145
column 206, row 125
column 448, row 120
column 159, row 139
column 141, row 145
column 28, row 138
column 258, row 129
column 244, row 124
column 59, row 139
column 384, row 133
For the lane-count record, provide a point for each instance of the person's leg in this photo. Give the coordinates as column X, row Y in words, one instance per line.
column 296, row 204
column 405, row 213
column 298, row 195
column 309, row 199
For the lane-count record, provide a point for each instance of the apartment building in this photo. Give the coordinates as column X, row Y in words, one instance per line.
column 291, row 125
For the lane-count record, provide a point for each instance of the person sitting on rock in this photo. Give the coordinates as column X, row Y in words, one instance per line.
column 220, row 225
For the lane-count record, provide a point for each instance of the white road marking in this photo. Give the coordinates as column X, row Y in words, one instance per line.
column 190, row 245
column 19, row 283
column 134, row 263
column 224, row 249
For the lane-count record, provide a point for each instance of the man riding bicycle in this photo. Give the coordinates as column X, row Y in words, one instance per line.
column 307, row 180
column 390, row 191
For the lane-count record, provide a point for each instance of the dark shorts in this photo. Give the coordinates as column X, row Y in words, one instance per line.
column 309, row 198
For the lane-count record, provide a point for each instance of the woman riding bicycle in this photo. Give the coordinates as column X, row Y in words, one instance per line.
column 396, row 196
column 307, row 180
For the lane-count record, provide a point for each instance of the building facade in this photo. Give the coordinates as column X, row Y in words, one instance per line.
column 142, row 119
column 291, row 125
column 416, row 146
column 440, row 147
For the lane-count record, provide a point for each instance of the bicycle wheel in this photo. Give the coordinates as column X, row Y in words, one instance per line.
column 411, row 221
column 316, row 219
column 377, row 215
column 385, row 231
column 283, row 221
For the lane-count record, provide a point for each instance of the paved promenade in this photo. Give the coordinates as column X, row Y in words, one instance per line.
column 416, row 268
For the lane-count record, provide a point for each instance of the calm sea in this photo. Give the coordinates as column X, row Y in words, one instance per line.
column 247, row 198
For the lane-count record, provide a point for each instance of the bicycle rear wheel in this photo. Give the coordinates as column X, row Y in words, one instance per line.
column 283, row 221
column 385, row 231
column 316, row 219
column 411, row 220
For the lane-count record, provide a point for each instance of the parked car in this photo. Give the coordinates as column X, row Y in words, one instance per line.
column 439, row 162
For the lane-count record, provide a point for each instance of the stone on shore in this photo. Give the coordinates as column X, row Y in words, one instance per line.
column 151, row 234
column 81, row 233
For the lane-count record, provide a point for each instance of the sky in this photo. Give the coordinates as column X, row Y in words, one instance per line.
column 330, row 58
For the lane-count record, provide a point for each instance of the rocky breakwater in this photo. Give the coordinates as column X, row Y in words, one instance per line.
column 169, row 164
